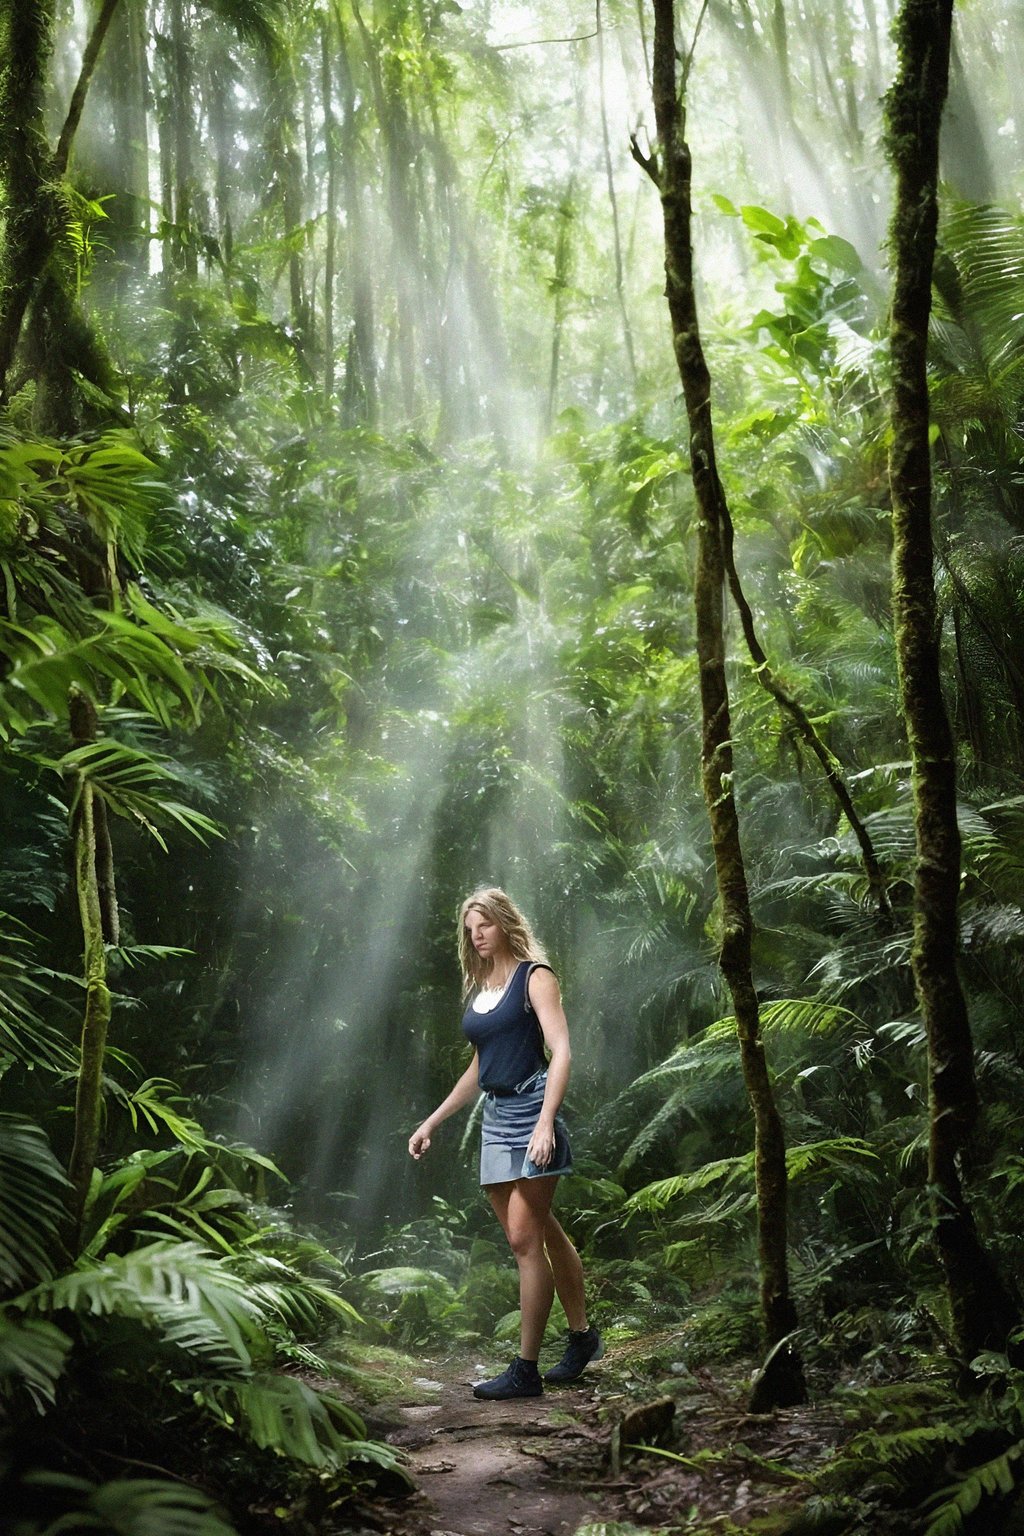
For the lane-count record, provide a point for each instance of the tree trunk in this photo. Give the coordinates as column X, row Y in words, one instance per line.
column 124, row 76
column 981, row 1308
column 90, row 58
column 781, row 1381
column 31, row 214
column 222, row 136
column 560, row 289
column 165, row 150
column 360, row 392
column 331, row 150
column 96, row 1020
column 620, row 289
column 182, row 95
column 404, row 217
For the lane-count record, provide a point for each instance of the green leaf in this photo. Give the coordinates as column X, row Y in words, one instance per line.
column 761, row 221
column 837, row 252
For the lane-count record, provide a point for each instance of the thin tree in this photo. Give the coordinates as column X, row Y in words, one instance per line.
column 331, row 152
column 982, row 1311
column 769, row 679
column 560, row 280
column 97, row 910
column 805, row 728
column 360, row 384
column 781, row 1381
column 620, row 287
column 90, row 58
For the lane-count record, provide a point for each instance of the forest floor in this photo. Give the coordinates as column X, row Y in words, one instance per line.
column 564, row 1463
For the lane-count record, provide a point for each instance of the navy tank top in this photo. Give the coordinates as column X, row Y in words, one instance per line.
column 508, row 1039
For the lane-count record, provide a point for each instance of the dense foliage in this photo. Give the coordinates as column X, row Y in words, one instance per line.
column 346, row 545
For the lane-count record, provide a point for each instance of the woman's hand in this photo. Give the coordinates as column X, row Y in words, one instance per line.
column 419, row 1141
column 542, row 1143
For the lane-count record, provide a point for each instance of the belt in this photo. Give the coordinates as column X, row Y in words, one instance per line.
column 523, row 1087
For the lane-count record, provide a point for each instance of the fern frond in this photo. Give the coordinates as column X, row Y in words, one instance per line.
column 806, row 1160
column 808, row 1015
column 186, row 1294
column 298, row 1299
column 905, row 1445
column 1000, row 1475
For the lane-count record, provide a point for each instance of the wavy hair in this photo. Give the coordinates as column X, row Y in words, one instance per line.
column 499, row 908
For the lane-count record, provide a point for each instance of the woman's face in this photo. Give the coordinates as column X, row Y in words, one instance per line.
column 486, row 936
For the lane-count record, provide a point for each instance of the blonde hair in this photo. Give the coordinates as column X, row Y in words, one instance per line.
column 499, row 908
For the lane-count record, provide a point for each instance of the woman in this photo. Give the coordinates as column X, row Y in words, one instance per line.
column 513, row 1019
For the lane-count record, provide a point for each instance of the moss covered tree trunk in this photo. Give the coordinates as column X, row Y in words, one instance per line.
column 981, row 1309
column 781, row 1382
column 31, row 213
column 94, row 887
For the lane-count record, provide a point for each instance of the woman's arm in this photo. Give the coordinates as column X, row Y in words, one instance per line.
column 464, row 1092
column 546, row 1001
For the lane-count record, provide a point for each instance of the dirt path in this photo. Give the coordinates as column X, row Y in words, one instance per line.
column 487, row 1469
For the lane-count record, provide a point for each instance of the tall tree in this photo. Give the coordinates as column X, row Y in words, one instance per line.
column 781, row 1381
column 983, row 1313
column 613, row 202
column 331, row 152
column 360, row 385
column 31, row 214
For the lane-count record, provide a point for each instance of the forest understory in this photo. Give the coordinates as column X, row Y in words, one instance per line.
column 620, row 1449
column 642, row 1442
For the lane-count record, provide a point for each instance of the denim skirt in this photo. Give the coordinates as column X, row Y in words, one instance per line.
column 508, row 1123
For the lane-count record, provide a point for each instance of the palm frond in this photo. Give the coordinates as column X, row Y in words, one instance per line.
column 33, row 1189
column 130, row 1506
column 45, row 661
column 131, row 782
column 255, row 21
column 283, row 1414
column 32, row 1355
column 154, row 1103
column 987, row 246
column 298, row 1299
column 24, row 1033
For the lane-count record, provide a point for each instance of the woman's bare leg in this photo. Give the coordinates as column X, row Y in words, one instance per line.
column 523, row 1209
column 568, row 1274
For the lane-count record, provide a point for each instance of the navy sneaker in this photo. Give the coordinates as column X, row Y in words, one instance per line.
column 521, row 1379
column 582, row 1347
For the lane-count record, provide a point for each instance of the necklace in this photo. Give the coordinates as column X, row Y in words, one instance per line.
column 499, row 986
